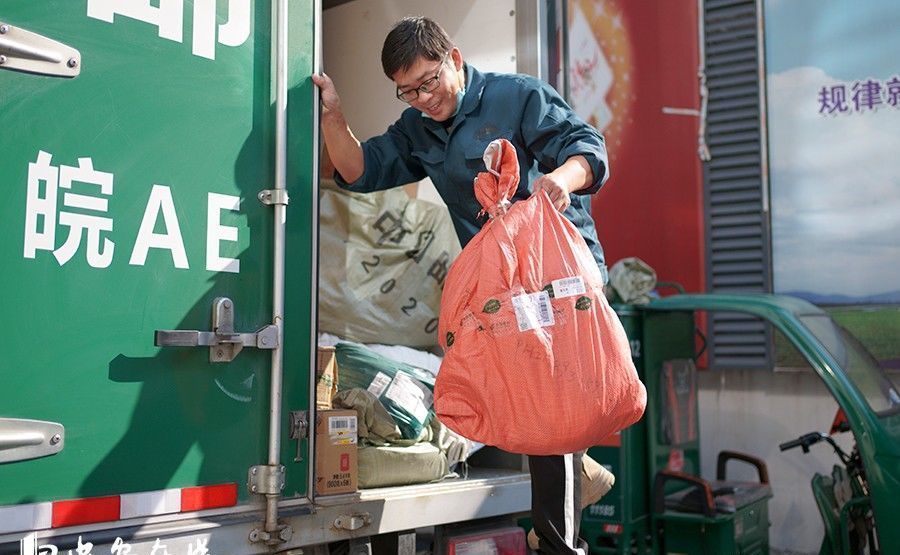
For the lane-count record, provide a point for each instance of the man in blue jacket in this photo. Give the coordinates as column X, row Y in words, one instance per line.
column 454, row 112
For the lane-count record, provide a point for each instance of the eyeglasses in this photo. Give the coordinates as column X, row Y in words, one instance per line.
column 427, row 86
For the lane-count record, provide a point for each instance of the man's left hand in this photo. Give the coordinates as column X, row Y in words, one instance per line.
column 575, row 174
column 556, row 189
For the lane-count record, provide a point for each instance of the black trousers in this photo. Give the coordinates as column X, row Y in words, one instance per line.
column 556, row 502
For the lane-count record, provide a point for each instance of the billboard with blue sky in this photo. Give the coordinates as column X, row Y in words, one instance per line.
column 833, row 103
column 833, row 87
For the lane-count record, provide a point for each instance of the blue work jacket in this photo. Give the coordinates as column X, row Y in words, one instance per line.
column 524, row 110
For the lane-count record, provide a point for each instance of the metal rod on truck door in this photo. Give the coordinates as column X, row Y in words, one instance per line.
column 280, row 43
column 314, row 234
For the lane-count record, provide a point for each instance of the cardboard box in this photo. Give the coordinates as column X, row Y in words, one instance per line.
column 336, row 452
column 326, row 377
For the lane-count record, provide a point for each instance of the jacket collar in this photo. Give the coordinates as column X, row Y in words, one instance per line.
column 474, row 89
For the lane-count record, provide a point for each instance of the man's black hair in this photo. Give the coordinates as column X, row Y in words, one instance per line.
column 411, row 38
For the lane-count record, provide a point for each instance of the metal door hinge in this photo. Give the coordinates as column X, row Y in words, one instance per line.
column 268, row 480
column 265, row 479
column 23, row 50
column 224, row 344
column 282, row 534
column 22, row 439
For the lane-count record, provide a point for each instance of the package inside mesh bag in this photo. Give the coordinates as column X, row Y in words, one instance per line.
column 536, row 361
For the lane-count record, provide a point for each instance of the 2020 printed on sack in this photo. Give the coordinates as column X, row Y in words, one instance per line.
column 535, row 360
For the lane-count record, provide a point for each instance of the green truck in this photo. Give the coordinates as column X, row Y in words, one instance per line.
column 159, row 262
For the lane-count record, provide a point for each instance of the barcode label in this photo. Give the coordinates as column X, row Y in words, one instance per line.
column 533, row 310
column 341, row 423
column 379, row 383
column 342, row 430
column 568, row 287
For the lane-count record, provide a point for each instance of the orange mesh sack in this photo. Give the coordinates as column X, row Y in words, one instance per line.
column 535, row 360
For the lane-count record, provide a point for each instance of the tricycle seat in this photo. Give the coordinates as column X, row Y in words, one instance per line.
column 729, row 497
column 712, row 517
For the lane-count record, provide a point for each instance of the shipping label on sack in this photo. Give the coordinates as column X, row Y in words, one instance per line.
column 342, row 430
column 568, row 287
column 533, row 310
column 411, row 396
column 379, row 384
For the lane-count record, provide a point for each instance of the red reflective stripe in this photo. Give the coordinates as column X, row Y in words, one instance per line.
column 73, row 512
column 208, row 497
column 85, row 511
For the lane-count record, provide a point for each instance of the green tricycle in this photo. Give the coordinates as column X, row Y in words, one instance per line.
column 661, row 504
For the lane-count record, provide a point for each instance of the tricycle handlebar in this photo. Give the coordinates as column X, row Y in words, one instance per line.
column 807, row 440
column 804, row 441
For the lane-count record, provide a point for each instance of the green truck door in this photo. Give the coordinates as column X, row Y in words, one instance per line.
column 129, row 205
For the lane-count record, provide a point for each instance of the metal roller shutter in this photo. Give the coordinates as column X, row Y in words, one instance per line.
column 736, row 203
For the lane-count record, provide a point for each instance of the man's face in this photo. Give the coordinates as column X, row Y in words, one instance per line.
column 440, row 102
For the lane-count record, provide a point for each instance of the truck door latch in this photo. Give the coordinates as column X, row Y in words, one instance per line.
column 223, row 342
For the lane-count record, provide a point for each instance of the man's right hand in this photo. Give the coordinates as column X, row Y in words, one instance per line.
column 331, row 102
column 343, row 147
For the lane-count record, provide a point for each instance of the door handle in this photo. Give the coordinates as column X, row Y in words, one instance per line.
column 33, row 53
column 224, row 343
column 22, row 439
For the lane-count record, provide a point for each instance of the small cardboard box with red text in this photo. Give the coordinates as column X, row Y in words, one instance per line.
column 336, row 452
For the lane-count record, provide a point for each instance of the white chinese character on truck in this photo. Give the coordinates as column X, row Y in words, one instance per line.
column 168, row 17
column 86, row 189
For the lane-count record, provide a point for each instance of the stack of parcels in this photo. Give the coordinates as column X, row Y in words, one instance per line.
column 400, row 440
